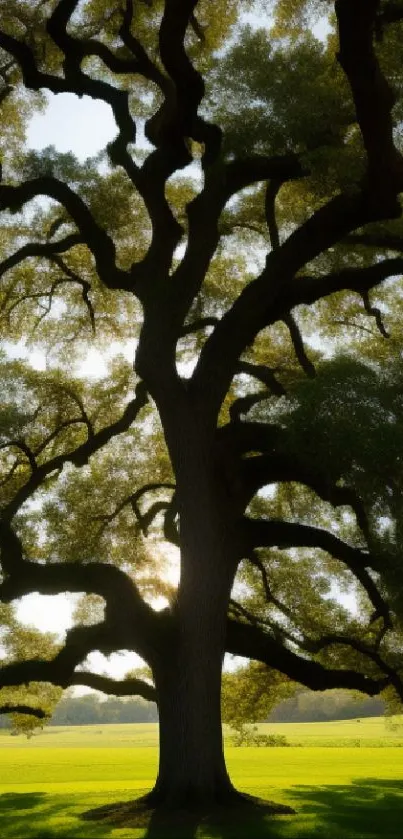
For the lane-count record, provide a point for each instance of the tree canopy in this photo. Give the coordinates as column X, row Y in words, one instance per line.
column 243, row 233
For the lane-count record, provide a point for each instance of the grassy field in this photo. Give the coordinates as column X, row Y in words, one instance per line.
column 350, row 792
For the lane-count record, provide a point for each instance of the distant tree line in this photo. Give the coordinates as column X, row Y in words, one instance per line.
column 315, row 706
column 91, row 710
column 304, row 706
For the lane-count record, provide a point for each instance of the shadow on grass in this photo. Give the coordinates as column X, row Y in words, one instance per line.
column 252, row 817
column 366, row 809
column 23, row 801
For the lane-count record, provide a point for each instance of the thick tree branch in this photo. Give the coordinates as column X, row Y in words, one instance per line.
column 129, row 622
column 128, row 625
column 246, row 171
column 114, row 687
column 23, row 709
column 13, row 198
column 284, row 534
column 382, row 240
column 197, row 325
column 278, row 467
column 252, row 642
column 373, row 96
column 60, row 669
column 307, row 290
column 179, row 119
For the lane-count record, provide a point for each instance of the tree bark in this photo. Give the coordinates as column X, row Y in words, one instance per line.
column 192, row 770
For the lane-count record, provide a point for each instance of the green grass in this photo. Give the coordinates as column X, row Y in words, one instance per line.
column 339, row 793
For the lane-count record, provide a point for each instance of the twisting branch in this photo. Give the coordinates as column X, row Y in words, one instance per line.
column 280, row 633
column 85, row 289
column 376, row 313
column 262, row 374
column 59, row 670
column 299, row 347
column 129, row 625
column 148, row 69
column 85, row 286
column 279, row 467
column 264, row 302
column 281, row 534
column 22, row 446
column 40, row 249
column 221, row 182
column 244, row 404
column 75, row 50
column 180, row 119
column 100, row 244
column 373, row 97
column 129, row 622
column 144, row 519
column 277, row 169
column 317, row 645
column 80, row 455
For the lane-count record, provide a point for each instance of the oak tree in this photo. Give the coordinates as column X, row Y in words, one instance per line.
column 243, row 231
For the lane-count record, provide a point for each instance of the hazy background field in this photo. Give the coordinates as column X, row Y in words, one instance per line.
column 345, row 779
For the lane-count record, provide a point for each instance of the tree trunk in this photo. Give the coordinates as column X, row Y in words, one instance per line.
column 192, row 770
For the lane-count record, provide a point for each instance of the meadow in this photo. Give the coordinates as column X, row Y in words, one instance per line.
column 344, row 779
